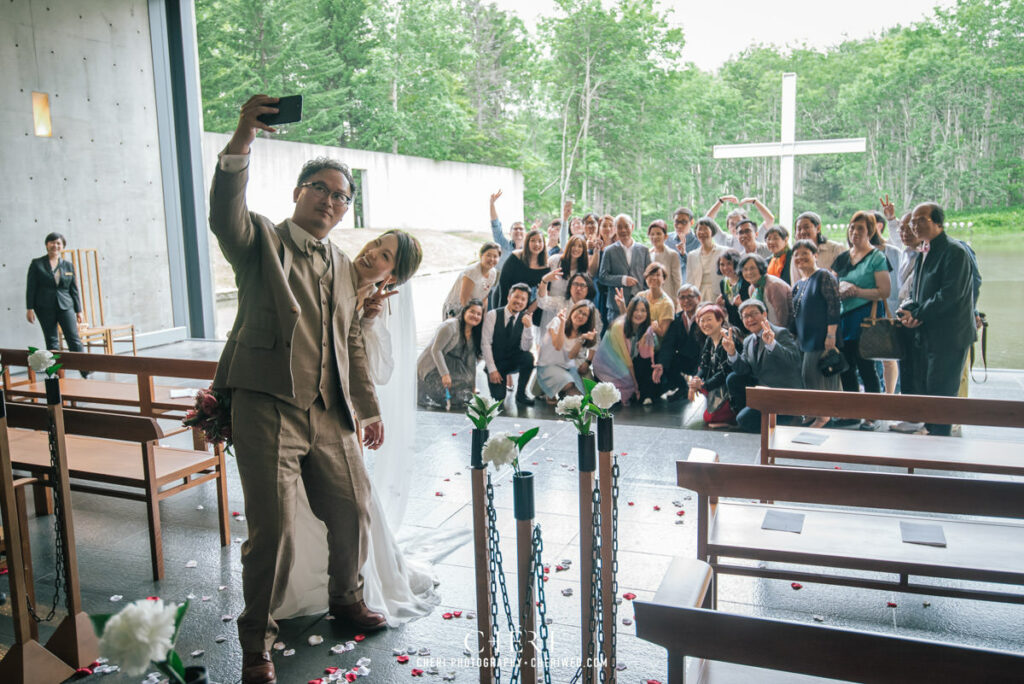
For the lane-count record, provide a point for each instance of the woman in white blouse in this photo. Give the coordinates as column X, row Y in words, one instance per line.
column 702, row 263
column 475, row 282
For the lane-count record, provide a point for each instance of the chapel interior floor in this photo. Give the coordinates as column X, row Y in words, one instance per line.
column 114, row 558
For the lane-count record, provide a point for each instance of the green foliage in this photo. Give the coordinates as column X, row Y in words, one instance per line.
column 481, row 412
column 598, row 105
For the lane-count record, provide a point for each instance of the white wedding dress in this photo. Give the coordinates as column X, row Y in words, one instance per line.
column 397, row 577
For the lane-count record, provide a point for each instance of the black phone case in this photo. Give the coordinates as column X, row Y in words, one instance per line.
column 289, row 111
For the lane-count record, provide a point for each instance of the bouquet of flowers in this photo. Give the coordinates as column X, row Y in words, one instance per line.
column 578, row 409
column 143, row 632
column 212, row 415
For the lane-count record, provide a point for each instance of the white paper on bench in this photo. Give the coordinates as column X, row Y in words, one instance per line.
column 815, row 438
column 783, row 522
column 182, row 393
column 922, row 533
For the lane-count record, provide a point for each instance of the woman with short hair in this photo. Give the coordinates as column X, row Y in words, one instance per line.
column 732, row 287
column 702, row 263
column 775, row 293
column 669, row 258
column 714, row 367
column 51, row 295
column 781, row 263
column 816, row 308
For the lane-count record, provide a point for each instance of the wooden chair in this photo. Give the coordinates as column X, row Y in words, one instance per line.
column 95, row 332
column 119, row 456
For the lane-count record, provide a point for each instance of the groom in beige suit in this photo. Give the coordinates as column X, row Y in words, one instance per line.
column 297, row 369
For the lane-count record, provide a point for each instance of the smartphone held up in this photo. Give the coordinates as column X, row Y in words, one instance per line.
column 289, row 110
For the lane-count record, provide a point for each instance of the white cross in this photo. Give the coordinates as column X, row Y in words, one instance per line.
column 787, row 149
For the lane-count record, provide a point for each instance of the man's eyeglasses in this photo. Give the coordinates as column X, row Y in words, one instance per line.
column 324, row 191
column 687, row 296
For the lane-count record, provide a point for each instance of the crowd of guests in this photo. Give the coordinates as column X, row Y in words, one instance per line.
column 707, row 311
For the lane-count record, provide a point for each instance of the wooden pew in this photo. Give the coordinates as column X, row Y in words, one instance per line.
column 977, row 551
column 141, row 395
column 119, row 456
column 889, row 448
column 740, row 649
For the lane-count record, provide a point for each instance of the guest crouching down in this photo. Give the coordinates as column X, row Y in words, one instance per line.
column 625, row 354
column 506, row 342
column 446, row 369
column 714, row 367
column 770, row 357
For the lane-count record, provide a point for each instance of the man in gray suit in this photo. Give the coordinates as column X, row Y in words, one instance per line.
column 297, row 371
column 622, row 265
column 770, row 357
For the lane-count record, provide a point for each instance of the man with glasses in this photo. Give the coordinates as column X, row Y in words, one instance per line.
column 679, row 353
column 296, row 369
column 746, row 235
column 682, row 240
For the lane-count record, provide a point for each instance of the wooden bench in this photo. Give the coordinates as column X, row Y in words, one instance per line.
column 977, row 551
column 120, row 456
column 140, row 395
column 739, row 649
column 889, row 448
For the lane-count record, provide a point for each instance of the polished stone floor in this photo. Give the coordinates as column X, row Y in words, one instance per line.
column 113, row 554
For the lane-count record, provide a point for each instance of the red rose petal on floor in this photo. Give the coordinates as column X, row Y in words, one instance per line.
column 680, row 513
column 402, row 659
column 331, row 670
column 797, row 586
column 95, row 663
column 447, row 616
column 629, row 503
column 3, row 571
column 891, row 604
column 559, row 568
column 235, row 513
column 152, row 598
column 315, row 681
column 83, row 671
column 438, row 493
column 359, row 637
column 416, row 672
column 545, row 578
column 657, row 508
column 457, row 613
column 534, row 463
column 653, row 681
column 351, row 676
column 837, row 467
column 629, row 596
column 447, row 479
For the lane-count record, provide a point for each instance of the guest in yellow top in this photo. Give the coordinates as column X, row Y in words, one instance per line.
column 663, row 310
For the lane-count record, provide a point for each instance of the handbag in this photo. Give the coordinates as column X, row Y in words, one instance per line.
column 832, row 363
column 880, row 338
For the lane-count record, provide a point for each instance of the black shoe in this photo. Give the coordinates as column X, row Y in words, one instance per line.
column 843, row 422
column 524, row 400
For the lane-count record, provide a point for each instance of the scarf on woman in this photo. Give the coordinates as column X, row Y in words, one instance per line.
column 778, row 264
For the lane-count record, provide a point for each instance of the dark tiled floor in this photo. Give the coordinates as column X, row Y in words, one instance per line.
column 113, row 553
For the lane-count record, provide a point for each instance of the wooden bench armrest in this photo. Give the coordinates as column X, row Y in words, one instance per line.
column 685, row 584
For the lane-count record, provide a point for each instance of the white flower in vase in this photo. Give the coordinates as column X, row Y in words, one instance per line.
column 40, row 360
column 569, row 404
column 500, row 449
column 605, row 395
column 141, row 633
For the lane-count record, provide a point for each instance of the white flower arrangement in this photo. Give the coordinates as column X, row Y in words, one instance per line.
column 503, row 448
column 569, row 404
column 43, row 361
column 143, row 632
column 605, row 395
column 481, row 412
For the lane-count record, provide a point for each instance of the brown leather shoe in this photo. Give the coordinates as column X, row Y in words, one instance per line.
column 359, row 616
column 257, row 668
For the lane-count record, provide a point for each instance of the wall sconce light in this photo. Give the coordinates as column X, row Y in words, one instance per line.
column 41, row 115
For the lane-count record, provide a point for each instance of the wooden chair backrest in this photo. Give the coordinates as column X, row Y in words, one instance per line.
column 818, row 650
column 130, row 365
column 909, row 407
column 895, row 491
column 87, row 270
column 86, row 423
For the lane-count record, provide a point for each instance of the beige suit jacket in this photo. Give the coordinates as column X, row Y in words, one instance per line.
column 258, row 353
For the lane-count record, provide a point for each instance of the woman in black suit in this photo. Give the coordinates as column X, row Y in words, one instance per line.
column 52, row 295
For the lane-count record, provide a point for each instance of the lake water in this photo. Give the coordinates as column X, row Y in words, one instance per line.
column 1002, row 301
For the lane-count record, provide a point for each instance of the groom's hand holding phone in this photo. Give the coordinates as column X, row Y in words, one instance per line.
column 373, row 435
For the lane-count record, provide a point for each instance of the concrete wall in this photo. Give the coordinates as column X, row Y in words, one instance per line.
column 398, row 191
column 97, row 180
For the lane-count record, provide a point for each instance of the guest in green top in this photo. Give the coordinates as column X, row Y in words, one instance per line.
column 863, row 275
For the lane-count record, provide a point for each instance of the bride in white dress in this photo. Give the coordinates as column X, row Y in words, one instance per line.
column 397, row 579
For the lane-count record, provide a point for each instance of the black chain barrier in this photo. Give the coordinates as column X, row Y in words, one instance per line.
column 497, row 582
column 59, row 581
column 615, row 564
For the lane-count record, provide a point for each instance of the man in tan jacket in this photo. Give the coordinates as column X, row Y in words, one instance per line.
column 297, row 370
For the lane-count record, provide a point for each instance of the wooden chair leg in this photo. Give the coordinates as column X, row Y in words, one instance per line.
column 222, row 497
column 42, row 497
column 26, row 556
column 156, row 545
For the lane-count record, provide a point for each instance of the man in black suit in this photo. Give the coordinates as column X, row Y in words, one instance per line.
column 679, row 353
column 940, row 309
column 51, row 295
column 506, row 339
column 770, row 357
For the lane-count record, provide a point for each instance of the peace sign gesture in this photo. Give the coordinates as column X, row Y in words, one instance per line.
column 888, row 208
column 767, row 334
column 374, row 303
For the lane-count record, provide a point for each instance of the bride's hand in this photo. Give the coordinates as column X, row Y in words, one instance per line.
column 373, row 435
column 374, row 303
